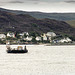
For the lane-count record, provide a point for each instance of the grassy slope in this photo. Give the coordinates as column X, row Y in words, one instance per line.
column 72, row 23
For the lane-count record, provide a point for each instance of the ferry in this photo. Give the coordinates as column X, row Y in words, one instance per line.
column 19, row 49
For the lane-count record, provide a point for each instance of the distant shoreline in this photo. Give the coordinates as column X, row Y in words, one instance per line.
column 42, row 44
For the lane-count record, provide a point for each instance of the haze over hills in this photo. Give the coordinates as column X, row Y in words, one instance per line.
column 24, row 22
column 41, row 15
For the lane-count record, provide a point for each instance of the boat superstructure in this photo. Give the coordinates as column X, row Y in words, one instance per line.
column 19, row 49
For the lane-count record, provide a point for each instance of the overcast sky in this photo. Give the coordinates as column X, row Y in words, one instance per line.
column 39, row 5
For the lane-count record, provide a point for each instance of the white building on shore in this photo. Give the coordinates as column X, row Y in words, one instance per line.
column 22, row 34
column 44, row 37
column 65, row 40
column 10, row 35
column 29, row 38
column 2, row 36
column 38, row 38
column 51, row 34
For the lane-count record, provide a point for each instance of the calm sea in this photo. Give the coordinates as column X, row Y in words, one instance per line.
column 40, row 60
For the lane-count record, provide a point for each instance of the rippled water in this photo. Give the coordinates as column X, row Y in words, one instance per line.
column 40, row 60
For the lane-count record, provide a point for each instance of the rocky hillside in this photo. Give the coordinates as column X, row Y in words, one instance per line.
column 25, row 22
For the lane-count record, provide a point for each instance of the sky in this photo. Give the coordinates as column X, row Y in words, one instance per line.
column 39, row 5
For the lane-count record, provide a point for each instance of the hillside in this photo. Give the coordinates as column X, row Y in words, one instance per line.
column 72, row 23
column 25, row 22
column 41, row 15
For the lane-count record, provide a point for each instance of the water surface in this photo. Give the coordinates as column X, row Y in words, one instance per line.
column 40, row 60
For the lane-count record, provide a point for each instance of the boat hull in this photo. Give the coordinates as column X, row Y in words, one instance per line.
column 17, row 51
